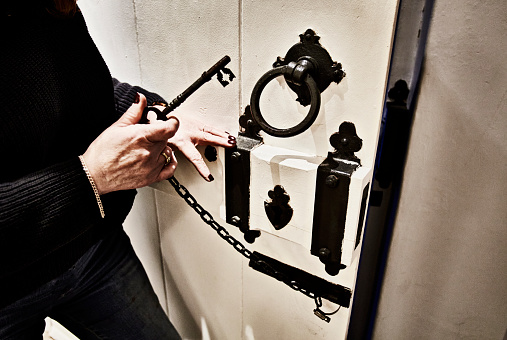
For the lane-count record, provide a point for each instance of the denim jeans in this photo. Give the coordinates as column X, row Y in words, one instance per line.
column 105, row 295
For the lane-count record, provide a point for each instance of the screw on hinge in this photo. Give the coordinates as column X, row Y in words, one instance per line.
column 332, row 181
column 236, row 156
column 235, row 220
column 324, row 253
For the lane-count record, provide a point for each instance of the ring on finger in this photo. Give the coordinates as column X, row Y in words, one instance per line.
column 167, row 158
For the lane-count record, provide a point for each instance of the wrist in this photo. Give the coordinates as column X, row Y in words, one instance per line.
column 93, row 186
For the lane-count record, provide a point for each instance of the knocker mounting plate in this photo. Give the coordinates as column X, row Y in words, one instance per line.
column 325, row 70
column 308, row 70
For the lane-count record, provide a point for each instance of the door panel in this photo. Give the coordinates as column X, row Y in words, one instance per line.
column 357, row 34
column 164, row 46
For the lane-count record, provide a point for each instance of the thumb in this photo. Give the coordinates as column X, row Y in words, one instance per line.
column 134, row 112
column 161, row 131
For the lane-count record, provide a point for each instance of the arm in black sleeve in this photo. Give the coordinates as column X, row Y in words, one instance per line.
column 44, row 210
column 124, row 95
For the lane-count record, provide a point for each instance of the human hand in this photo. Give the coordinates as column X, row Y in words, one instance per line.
column 191, row 133
column 128, row 155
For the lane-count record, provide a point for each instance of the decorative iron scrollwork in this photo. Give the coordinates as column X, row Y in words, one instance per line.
column 346, row 142
column 278, row 210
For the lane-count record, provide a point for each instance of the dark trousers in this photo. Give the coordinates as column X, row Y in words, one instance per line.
column 105, row 295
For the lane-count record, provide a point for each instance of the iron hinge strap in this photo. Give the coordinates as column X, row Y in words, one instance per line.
column 300, row 280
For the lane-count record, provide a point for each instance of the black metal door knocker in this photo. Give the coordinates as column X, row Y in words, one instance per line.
column 308, row 70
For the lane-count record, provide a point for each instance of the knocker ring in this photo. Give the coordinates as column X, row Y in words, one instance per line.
column 291, row 71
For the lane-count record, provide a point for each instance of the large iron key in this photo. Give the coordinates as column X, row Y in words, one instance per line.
column 218, row 69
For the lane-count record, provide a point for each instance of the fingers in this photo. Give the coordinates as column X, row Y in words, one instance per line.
column 197, row 133
column 162, row 130
column 166, row 156
column 193, row 155
column 215, row 132
column 169, row 163
column 134, row 112
column 212, row 136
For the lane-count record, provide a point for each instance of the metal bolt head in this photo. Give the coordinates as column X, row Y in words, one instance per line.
column 332, row 181
column 324, row 253
column 235, row 220
column 338, row 74
column 236, row 156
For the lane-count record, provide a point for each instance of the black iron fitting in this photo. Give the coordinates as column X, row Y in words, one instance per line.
column 299, row 280
column 331, row 197
column 237, row 186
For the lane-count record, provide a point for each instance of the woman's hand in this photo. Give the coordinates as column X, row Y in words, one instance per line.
column 128, row 155
column 191, row 133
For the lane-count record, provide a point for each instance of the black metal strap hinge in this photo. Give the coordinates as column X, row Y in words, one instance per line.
column 310, row 285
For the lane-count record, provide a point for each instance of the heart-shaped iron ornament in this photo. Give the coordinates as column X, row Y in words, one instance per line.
column 278, row 210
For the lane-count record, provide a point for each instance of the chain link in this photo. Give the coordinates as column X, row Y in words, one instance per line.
column 208, row 219
column 224, row 234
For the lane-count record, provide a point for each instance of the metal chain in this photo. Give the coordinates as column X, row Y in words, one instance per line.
column 224, row 234
column 208, row 219
column 320, row 313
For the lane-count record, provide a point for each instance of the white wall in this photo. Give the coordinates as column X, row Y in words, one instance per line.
column 446, row 275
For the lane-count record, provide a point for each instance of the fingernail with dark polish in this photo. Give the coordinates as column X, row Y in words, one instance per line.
column 211, row 178
column 137, row 99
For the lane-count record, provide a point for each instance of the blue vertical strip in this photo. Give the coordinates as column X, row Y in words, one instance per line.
column 411, row 33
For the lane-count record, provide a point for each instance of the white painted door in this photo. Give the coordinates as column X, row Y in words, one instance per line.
column 207, row 288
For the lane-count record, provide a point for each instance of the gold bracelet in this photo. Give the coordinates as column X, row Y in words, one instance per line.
column 94, row 187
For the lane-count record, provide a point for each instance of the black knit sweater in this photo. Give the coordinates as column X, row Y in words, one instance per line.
column 57, row 97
